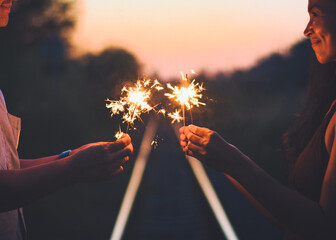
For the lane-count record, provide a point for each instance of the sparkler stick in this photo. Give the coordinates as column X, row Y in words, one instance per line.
column 183, row 115
column 132, row 116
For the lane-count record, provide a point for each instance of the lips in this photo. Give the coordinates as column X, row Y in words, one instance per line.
column 6, row 5
column 315, row 41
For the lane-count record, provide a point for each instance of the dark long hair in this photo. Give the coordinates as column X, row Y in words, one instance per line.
column 320, row 94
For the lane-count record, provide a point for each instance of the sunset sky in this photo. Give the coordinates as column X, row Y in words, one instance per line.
column 212, row 35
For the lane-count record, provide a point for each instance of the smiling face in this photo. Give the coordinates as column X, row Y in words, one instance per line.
column 321, row 29
column 5, row 6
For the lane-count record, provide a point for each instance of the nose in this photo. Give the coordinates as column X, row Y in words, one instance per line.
column 309, row 29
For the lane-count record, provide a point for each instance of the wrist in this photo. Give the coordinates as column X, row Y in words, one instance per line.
column 64, row 154
column 239, row 164
column 69, row 170
column 242, row 169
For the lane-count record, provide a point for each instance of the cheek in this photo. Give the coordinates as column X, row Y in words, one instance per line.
column 332, row 41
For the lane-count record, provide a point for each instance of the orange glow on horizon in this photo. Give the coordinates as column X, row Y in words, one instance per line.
column 207, row 35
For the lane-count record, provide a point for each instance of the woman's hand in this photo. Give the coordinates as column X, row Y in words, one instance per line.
column 210, row 148
column 99, row 161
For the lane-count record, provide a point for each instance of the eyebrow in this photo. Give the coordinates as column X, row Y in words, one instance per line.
column 314, row 6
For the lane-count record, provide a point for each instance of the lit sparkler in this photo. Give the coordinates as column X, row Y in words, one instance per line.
column 119, row 134
column 133, row 102
column 187, row 96
column 175, row 116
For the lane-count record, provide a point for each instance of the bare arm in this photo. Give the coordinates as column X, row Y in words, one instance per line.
column 20, row 187
column 292, row 210
column 26, row 163
column 254, row 202
column 92, row 162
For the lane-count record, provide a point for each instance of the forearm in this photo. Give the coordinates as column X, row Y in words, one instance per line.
column 26, row 163
column 297, row 213
column 20, row 187
column 254, row 202
column 291, row 209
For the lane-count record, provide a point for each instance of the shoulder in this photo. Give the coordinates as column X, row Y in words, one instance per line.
column 2, row 102
column 331, row 129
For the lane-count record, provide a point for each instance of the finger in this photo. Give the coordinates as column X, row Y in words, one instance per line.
column 195, row 139
column 121, row 168
column 195, row 148
column 124, row 135
column 190, row 153
column 119, row 144
column 113, row 166
column 183, row 143
column 186, row 131
column 200, row 131
column 183, row 137
column 125, row 138
column 122, row 161
column 125, row 160
column 194, row 155
column 127, row 151
column 114, row 172
column 182, row 129
column 185, row 149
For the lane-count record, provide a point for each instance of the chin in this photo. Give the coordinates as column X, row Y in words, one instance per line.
column 323, row 59
column 3, row 21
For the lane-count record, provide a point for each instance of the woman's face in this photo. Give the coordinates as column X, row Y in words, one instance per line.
column 5, row 6
column 321, row 29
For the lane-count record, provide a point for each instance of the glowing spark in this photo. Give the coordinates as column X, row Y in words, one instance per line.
column 154, row 144
column 194, row 72
column 162, row 111
column 186, row 96
column 157, row 85
column 175, row 116
column 133, row 101
column 184, row 78
column 119, row 134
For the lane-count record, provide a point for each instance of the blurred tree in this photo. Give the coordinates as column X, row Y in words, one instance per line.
column 35, row 37
column 104, row 75
column 254, row 107
column 33, row 21
column 108, row 71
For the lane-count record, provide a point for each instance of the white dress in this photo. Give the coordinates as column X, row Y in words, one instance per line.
column 12, row 225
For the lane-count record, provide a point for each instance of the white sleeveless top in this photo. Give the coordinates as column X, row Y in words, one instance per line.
column 11, row 223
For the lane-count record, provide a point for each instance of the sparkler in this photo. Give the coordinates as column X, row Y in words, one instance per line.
column 133, row 102
column 175, row 116
column 119, row 134
column 187, row 96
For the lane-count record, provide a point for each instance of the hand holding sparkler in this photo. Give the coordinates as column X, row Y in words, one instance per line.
column 99, row 161
column 210, row 148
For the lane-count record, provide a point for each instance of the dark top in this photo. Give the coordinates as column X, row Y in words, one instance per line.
column 310, row 167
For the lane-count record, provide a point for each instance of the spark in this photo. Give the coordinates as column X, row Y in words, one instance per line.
column 133, row 101
column 162, row 111
column 119, row 134
column 154, row 143
column 194, row 72
column 175, row 116
column 157, row 85
column 187, row 95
